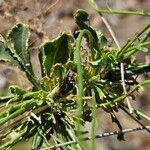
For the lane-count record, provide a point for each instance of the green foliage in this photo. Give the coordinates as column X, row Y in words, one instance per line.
column 5, row 54
column 56, row 51
column 18, row 38
column 57, row 106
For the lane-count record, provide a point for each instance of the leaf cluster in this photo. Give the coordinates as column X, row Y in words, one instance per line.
column 77, row 78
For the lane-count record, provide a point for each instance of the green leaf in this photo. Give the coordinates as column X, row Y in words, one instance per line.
column 143, row 49
column 57, row 74
column 101, row 39
column 138, row 69
column 100, row 93
column 80, row 17
column 81, row 14
column 96, row 62
column 135, row 49
column 140, row 114
column 5, row 53
column 16, row 90
column 18, row 38
column 38, row 140
column 55, row 51
column 97, row 38
column 17, row 42
column 40, row 102
column 71, row 65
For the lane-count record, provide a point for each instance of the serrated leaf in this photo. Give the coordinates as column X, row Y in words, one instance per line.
column 18, row 38
column 55, row 51
column 17, row 42
column 5, row 53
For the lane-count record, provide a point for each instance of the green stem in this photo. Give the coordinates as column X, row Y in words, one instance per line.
column 142, row 115
column 112, row 11
column 130, row 42
column 13, row 141
column 93, row 144
column 134, row 49
column 32, row 79
column 140, row 45
column 14, row 107
column 24, row 107
column 13, row 115
column 80, row 79
column 80, row 85
column 119, row 99
column 5, row 99
column 139, row 70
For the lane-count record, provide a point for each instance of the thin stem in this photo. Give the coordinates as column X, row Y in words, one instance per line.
column 80, row 81
column 13, row 141
column 13, row 115
column 24, row 107
column 51, row 95
column 112, row 11
column 121, row 64
column 17, row 121
column 110, row 30
column 140, row 45
column 142, row 115
column 124, row 87
column 119, row 99
column 130, row 42
column 93, row 143
column 133, row 117
column 98, row 136
column 80, row 78
column 5, row 99
column 107, row 104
